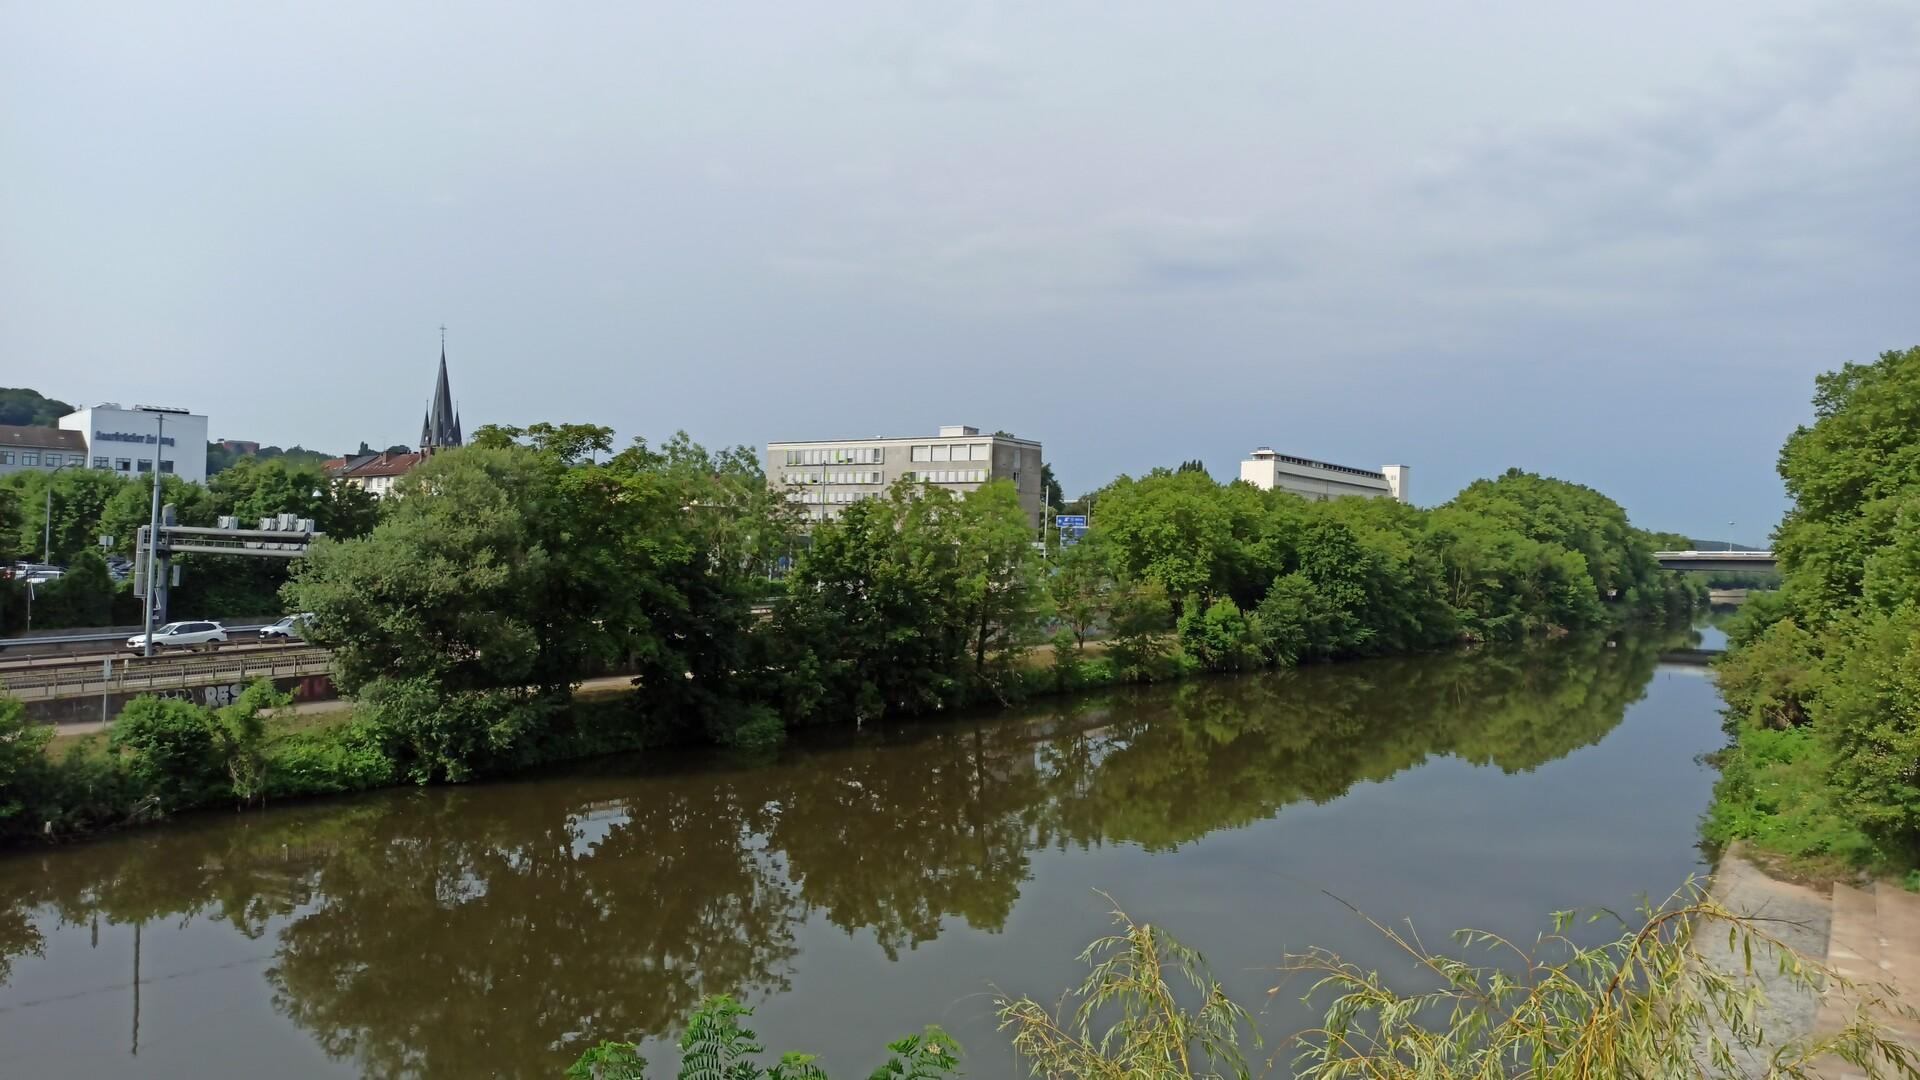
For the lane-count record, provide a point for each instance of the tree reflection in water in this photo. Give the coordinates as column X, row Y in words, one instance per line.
column 498, row 929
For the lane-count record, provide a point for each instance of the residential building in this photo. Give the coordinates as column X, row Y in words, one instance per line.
column 439, row 430
column 133, row 442
column 825, row 476
column 1320, row 480
column 43, row 448
column 374, row 472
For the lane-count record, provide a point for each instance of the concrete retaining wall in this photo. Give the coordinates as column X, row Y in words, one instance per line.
column 89, row 709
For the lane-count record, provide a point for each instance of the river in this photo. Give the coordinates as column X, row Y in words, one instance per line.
column 862, row 885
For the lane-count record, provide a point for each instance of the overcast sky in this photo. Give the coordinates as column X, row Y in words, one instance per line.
column 1612, row 243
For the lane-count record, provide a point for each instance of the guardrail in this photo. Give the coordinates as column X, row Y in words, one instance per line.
column 67, row 644
column 130, row 675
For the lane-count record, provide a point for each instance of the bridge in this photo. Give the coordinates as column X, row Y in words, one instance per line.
column 1715, row 560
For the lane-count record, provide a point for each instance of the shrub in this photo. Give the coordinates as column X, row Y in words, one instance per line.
column 240, row 732
column 350, row 757
column 169, row 751
column 1869, row 716
column 455, row 735
column 715, row 1046
column 1221, row 638
column 23, row 758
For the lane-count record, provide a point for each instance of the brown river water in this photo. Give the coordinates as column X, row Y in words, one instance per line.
column 860, row 885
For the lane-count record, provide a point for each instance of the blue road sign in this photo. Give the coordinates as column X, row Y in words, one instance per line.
column 1070, row 521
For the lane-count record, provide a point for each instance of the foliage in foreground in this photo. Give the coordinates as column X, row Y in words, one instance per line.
column 1822, row 683
column 716, row 1047
column 1661, row 1000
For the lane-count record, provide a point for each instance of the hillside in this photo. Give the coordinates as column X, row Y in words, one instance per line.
column 25, row 407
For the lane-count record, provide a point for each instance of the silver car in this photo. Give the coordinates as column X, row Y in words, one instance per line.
column 286, row 629
column 183, row 635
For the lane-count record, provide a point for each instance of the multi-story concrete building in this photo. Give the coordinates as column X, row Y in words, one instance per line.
column 129, row 442
column 825, row 476
column 25, row 449
column 1319, row 480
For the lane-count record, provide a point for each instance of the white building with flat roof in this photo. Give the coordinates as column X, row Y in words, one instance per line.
column 129, row 442
column 1319, row 480
column 825, row 476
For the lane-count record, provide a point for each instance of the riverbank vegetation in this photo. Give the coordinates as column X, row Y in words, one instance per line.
column 1661, row 999
column 508, row 571
column 1822, row 681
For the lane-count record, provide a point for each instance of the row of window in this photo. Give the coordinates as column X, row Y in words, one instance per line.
column 34, row 457
column 819, row 498
column 839, row 455
column 833, row 478
column 948, row 452
column 950, row 476
column 51, row 460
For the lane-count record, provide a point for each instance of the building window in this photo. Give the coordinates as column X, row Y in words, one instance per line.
column 981, row 451
column 923, row 453
column 943, row 452
column 6, row 457
column 144, row 465
column 76, row 459
column 793, row 457
column 166, row 466
column 29, row 457
column 101, row 463
column 123, row 464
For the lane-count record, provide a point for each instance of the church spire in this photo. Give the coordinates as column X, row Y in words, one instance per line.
column 441, row 426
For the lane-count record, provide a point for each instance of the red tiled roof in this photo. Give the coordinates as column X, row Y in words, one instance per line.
column 381, row 465
column 43, row 438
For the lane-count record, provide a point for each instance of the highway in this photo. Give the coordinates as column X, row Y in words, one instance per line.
column 49, row 678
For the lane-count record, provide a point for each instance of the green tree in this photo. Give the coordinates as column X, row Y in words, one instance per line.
column 1222, row 638
column 1138, row 643
column 1080, row 586
column 83, row 596
column 999, row 583
column 1819, row 686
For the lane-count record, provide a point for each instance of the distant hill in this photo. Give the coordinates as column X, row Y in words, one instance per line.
column 25, row 407
column 219, row 457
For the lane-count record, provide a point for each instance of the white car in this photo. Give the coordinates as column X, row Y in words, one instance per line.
column 286, row 629
column 180, row 635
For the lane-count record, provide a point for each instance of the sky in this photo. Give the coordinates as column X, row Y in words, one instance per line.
column 1610, row 243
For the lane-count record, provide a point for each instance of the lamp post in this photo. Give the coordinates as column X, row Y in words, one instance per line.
column 46, row 540
column 153, row 535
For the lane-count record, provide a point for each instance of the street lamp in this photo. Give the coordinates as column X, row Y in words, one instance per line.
column 46, row 541
column 1729, row 537
column 153, row 535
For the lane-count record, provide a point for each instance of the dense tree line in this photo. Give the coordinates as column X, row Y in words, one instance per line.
column 62, row 516
column 464, row 612
column 1823, row 682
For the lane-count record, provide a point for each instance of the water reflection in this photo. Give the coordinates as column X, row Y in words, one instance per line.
column 494, row 930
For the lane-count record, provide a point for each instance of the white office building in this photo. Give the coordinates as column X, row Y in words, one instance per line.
column 1320, row 480
column 826, row 476
column 133, row 442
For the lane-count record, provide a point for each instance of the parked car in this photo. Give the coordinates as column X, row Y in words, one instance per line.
column 292, row 626
column 183, row 635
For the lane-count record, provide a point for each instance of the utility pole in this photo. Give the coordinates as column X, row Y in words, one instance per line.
column 46, row 541
column 153, row 534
